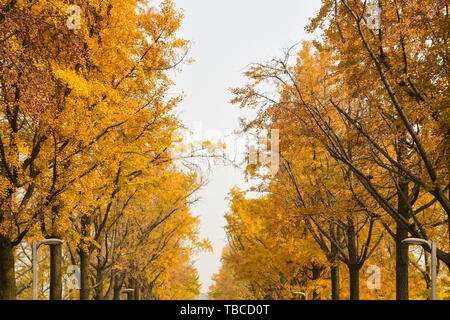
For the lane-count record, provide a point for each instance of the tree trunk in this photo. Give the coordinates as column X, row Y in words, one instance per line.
column 84, row 252
column 55, row 272
column 7, row 273
column 354, row 282
column 335, row 283
column 353, row 266
column 109, row 295
column 316, row 270
column 85, row 290
column 117, row 287
column 137, row 292
column 130, row 294
column 401, row 264
column 333, row 259
column 401, row 252
column 100, row 285
column 117, row 293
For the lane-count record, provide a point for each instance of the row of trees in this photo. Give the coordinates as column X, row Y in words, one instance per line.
column 86, row 135
column 364, row 123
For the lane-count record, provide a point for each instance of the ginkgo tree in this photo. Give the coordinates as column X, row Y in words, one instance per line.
column 85, row 121
column 265, row 255
column 369, row 99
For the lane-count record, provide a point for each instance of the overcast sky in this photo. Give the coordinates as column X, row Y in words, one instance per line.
column 227, row 36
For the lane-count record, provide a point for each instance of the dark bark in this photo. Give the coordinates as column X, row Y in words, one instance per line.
column 333, row 258
column 85, row 290
column 117, row 293
column 7, row 274
column 401, row 252
column 84, row 252
column 401, row 264
column 354, row 282
column 130, row 294
column 100, row 286
column 353, row 265
column 137, row 291
column 427, row 274
column 117, row 287
column 335, row 290
column 55, row 272
column 316, row 271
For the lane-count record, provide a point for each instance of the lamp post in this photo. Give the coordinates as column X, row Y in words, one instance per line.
column 125, row 291
column 298, row 293
column 35, row 247
column 432, row 246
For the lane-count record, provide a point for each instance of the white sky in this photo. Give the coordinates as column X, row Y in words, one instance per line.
column 227, row 36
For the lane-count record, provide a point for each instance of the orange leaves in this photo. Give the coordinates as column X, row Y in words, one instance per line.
column 267, row 254
column 86, row 146
column 357, row 118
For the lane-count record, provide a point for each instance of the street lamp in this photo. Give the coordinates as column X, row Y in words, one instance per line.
column 125, row 291
column 298, row 293
column 432, row 245
column 35, row 247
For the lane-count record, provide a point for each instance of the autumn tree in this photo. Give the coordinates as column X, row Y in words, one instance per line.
column 369, row 98
column 265, row 255
column 408, row 94
column 34, row 39
column 225, row 285
column 360, row 147
column 85, row 120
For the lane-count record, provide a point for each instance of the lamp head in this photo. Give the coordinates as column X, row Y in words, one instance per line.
column 298, row 293
column 416, row 241
column 51, row 242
